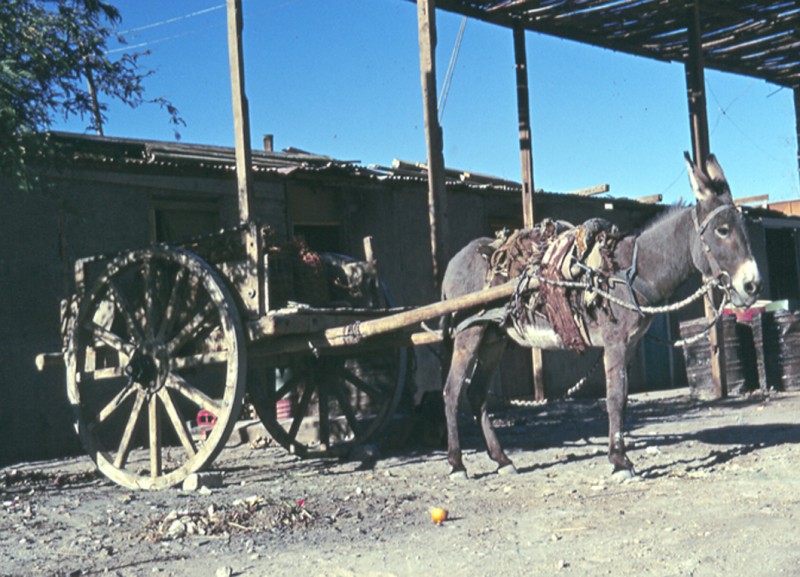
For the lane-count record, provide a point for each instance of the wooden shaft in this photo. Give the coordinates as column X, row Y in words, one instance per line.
column 353, row 333
column 49, row 360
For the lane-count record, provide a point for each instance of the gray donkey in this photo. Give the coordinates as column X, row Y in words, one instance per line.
column 709, row 237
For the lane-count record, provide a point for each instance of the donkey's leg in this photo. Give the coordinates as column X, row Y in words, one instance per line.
column 616, row 361
column 466, row 347
column 491, row 352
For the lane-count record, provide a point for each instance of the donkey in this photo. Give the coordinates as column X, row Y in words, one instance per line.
column 709, row 237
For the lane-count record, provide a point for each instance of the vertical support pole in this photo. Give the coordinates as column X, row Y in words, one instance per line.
column 797, row 124
column 241, row 115
column 698, row 118
column 526, row 161
column 437, row 191
column 524, row 113
column 253, row 293
column 696, row 87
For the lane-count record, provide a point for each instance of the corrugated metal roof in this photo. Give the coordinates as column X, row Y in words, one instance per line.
column 135, row 152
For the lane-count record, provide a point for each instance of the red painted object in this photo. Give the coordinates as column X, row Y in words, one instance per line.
column 205, row 422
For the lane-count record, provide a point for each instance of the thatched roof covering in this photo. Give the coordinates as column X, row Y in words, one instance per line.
column 757, row 39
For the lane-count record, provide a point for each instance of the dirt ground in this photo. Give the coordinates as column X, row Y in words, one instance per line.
column 717, row 493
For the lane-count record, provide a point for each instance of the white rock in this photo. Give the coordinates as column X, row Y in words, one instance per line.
column 209, row 480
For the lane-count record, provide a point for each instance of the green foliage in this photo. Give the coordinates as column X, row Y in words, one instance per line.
column 54, row 62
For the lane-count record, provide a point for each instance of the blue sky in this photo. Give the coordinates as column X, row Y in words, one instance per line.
column 341, row 78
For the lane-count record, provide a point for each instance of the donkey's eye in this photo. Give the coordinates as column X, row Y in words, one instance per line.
column 723, row 231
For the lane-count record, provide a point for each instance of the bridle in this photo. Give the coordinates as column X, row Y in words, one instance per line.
column 700, row 228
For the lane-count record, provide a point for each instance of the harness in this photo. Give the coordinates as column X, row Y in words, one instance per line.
column 637, row 285
column 700, row 229
column 592, row 282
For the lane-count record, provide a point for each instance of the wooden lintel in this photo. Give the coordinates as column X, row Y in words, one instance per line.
column 591, row 190
column 759, row 198
column 650, row 199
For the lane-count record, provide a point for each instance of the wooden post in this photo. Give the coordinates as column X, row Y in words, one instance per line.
column 526, row 160
column 241, row 115
column 524, row 113
column 698, row 118
column 437, row 192
column 696, row 87
column 252, row 291
column 797, row 124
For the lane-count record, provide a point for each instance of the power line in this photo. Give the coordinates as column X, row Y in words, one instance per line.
column 175, row 19
column 182, row 34
column 724, row 113
column 451, row 68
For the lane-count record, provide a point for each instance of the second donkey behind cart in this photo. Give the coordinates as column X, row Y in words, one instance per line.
column 709, row 237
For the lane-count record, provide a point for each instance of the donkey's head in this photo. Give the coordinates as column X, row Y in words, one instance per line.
column 721, row 248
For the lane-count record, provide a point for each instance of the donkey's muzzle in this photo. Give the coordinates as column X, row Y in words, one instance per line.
column 746, row 284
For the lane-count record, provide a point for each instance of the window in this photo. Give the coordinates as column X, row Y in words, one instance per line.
column 180, row 221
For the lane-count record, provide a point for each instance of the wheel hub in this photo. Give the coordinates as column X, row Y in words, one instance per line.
column 148, row 367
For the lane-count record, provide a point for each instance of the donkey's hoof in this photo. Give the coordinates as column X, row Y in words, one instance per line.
column 459, row 476
column 509, row 469
column 623, row 475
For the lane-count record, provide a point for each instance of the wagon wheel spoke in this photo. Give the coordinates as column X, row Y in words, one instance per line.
column 199, row 360
column 170, row 314
column 178, row 422
column 287, row 387
column 113, row 405
column 302, row 408
column 198, row 397
column 111, row 339
column 132, row 319
column 154, row 436
column 104, row 374
column 191, row 329
column 150, row 296
column 373, row 391
column 343, row 399
column 127, row 436
column 324, row 414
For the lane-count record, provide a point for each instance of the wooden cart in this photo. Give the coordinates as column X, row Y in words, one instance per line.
column 161, row 345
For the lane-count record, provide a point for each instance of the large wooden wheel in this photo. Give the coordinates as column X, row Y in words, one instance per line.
column 324, row 406
column 156, row 342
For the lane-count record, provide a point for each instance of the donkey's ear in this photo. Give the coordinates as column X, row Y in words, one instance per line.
column 714, row 171
column 697, row 179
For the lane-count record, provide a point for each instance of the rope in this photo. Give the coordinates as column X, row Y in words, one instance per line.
column 704, row 290
column 647, row 310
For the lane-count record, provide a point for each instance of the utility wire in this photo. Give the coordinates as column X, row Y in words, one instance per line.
column 723, row 112
column 451, row 68
column 175, row 19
